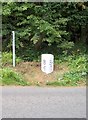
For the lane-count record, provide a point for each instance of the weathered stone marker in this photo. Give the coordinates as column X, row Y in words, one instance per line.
column 47, row 63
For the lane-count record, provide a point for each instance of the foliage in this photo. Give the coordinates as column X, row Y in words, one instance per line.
column 34, row 22
column 79, row 63
column 43, row 23
column 77, row 59
column 70, row 79
column 0, row 59
column 44, row 27
column 9, row 77
column 7, row 58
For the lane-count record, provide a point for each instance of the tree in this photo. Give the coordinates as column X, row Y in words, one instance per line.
column 37, row 23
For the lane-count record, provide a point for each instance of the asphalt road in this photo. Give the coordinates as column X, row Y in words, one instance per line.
column 37, row 102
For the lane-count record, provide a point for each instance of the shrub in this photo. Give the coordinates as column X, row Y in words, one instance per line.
column 73, row 77
column 7, row 58
column 70, row 79
column 9, row 77
column 78, row 63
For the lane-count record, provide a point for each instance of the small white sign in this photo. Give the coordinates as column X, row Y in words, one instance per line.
column 47, row 63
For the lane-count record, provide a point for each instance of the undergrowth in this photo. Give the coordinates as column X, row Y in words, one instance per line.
column 7, row 58
column 70, row 79
column 76, row 60
column 9, row 77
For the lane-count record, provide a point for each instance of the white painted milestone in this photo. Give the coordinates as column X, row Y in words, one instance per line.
column 47, row 63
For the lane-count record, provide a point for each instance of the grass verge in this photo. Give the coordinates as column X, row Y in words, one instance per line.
column 70, row 79
column 9, row 77
column 7, row 58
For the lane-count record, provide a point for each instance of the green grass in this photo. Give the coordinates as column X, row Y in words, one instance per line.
column 77, row 64
column 76, row 75
column 70, row 79
column 7, row 58
column 76, row 60
column 9, row 77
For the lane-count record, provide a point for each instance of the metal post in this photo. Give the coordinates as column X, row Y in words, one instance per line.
column 13, row 48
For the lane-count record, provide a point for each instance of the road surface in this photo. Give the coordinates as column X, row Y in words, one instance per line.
column 37, row 102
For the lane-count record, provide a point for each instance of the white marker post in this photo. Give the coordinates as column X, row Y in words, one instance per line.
column 47, row 63
column 13, row 43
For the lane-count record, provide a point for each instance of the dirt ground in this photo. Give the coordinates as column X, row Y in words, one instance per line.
column 31, row 72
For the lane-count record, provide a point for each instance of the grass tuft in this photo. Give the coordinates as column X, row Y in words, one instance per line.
column 9, row 77
column 70, row 79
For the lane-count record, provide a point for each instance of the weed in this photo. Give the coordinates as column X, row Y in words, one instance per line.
column 70, row 79
column 78, row 63
column 9, row 77
column 7, row 58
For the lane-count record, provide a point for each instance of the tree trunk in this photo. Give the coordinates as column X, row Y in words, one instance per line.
column 38, row 45
column 83, row 34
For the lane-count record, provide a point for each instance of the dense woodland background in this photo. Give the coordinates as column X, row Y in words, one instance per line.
column 45, row 27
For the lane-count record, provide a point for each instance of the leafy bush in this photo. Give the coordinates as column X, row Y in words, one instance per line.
column 43, row 22
column 0, row 58
column 78, row 63
column 9, row 77
column 73, row 77
column 7, row 58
